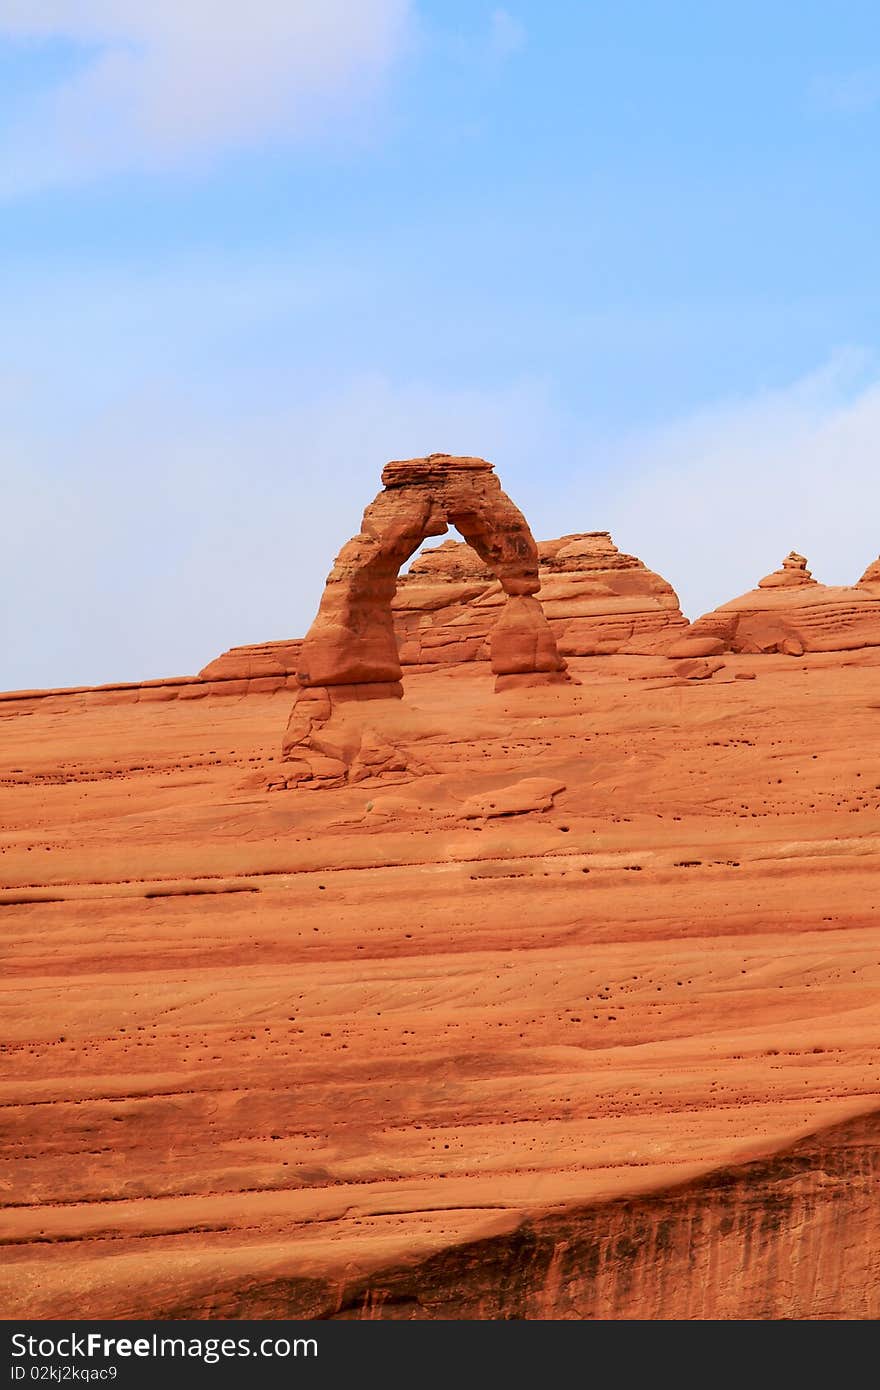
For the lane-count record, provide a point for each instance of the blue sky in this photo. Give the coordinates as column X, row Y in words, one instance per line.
column 247, row 253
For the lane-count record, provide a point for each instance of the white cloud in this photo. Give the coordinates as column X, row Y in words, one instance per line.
column 716, row 501
column 163, row 81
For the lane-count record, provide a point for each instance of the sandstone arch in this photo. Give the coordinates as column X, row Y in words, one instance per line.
column 352, row 640
column 350, row 652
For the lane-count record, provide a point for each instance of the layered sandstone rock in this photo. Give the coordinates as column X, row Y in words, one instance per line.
column 234, row 682
column 584, row 1023
column 597, row 601
column 253, row 662
column 789, row 612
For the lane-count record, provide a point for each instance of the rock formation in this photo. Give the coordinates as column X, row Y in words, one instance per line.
column 596, row 600
column 789, row 612
column 792, row 575
column 350, row 652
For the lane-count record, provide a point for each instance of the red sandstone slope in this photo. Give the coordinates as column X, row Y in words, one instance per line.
column 543, row 1031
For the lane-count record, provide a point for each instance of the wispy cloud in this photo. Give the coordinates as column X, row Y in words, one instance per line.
column 716, row 500
column 157, row 83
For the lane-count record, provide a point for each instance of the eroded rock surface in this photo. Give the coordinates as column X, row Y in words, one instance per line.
column 614, row 1052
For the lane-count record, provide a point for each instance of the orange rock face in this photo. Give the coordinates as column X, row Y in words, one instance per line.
column 596, row 600
column 568, row 1009
column 872, row 574
column 789, row 613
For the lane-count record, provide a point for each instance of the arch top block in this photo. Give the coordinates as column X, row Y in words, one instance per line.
column 435, row 468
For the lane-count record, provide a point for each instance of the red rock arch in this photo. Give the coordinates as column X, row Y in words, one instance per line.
column 352, row 642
